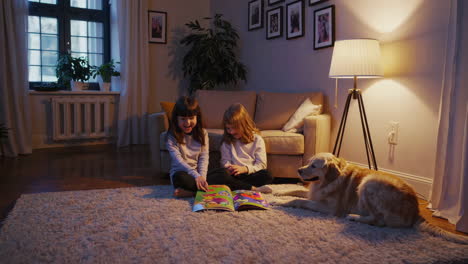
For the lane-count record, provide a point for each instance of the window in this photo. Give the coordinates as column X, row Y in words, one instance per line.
column 78, row 27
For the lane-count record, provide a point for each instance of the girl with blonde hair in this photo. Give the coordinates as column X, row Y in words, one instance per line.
column 243, row 154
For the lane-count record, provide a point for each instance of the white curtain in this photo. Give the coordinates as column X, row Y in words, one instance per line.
column 134, row 60
column 449, row 196
column 14, row 110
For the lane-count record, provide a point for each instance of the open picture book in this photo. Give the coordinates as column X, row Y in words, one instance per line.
column 220, row 197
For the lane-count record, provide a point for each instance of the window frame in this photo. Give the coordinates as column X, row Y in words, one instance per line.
column 64, row 14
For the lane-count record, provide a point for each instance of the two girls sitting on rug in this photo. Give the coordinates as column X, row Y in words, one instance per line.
column 243, row 154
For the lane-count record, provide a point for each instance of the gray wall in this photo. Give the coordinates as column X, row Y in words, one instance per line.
column 166, row 76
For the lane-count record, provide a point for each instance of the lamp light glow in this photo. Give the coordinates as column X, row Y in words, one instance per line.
column 356, row 57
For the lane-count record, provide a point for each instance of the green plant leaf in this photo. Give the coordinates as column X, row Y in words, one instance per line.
column 211, row 58
column 72, row 68
column 106, row 71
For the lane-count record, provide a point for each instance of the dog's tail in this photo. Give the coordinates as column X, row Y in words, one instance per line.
column 425, row 226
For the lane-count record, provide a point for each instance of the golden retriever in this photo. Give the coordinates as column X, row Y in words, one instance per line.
column 362, row 195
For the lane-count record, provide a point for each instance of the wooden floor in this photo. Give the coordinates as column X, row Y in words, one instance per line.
column 92, row 167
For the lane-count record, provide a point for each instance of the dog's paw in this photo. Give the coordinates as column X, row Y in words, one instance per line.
column 293, row 193
column 280, row 201
column 280, row 193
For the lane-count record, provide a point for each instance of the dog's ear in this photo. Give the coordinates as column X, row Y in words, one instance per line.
column 341, row 163
column 333, row 170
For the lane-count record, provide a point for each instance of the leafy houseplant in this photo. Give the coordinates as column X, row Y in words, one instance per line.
column 74, row 69
column 106, row 71
column 211, row 59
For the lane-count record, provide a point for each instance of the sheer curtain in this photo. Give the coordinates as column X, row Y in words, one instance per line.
column 14, row 110
column 449, row 196
column 134, row 67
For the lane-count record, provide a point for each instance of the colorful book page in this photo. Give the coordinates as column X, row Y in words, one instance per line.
column 248, row 200
column 218, row 197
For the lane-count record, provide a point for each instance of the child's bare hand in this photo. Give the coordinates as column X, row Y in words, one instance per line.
column 236, row 169
column 202, row 184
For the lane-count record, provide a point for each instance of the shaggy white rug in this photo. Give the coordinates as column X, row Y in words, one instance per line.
column 146, row 225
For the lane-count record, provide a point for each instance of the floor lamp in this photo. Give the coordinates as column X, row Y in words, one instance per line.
column 356, row 58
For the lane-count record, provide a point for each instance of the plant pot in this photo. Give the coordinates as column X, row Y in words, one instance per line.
column 115, row 83
column 104, row 86
column 79, row 86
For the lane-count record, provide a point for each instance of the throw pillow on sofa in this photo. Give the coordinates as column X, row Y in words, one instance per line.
column 274, row 109
column 167, row 108
column 296, row 121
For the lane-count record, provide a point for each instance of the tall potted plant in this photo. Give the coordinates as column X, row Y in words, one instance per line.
column 211, row 58
column 73, row 69
column 105, row 71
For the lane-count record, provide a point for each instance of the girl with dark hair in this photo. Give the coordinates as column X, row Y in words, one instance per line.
column 187, row 143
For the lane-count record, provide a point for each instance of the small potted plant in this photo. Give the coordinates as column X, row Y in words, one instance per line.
column 73, row 69
column 105, row 71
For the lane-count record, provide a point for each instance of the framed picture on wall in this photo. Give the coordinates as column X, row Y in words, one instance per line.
column 295, row 19
column 274, row 23
column 274, row 2
column 324, row 27
column 316, row 2
column 255, row 14
column 157, row 26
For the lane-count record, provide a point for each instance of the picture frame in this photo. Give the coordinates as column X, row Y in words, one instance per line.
column 274, row 23
column 157, row 27
column 274, row 2
column 324, row 27
column 255, row 14
column 316, row 2
column 295, row 19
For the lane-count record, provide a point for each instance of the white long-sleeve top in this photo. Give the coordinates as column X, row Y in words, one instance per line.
column 191, row 157
column 252, row 155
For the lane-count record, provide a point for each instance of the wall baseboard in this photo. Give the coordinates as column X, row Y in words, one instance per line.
column 41, row 141
column 422, row 185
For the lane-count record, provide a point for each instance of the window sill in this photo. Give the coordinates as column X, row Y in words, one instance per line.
column 32, row 92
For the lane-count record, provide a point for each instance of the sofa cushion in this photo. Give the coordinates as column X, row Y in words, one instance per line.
column 215, row 136
column 279, row 142
column 167, row 107
column 214, row 103
column 274, row 109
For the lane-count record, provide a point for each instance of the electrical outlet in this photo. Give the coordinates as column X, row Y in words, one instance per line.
column 393, row 135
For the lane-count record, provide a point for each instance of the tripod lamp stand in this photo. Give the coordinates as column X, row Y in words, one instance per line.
column 356, row 58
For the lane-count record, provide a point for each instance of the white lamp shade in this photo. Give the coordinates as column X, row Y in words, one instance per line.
column 356, row 57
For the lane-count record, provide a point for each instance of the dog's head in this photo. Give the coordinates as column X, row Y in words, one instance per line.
column 324, row 167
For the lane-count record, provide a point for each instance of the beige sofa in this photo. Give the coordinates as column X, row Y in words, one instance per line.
column 285, row 151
